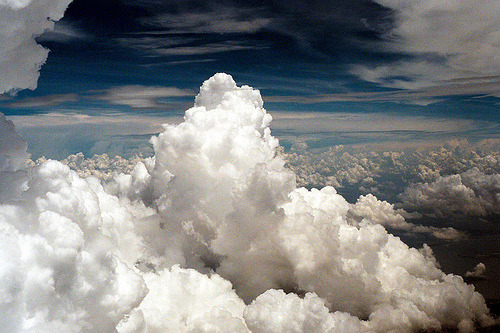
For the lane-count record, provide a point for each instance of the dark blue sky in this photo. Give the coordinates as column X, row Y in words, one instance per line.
column 336, row 56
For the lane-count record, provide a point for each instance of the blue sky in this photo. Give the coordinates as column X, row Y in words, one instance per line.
column 148, row 58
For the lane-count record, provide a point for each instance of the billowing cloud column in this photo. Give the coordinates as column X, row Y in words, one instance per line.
column 226, row 201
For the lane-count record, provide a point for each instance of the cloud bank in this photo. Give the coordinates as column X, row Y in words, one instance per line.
column 212, row 234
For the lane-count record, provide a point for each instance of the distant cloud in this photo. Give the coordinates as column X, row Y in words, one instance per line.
column 368, row 209
column 471, row 193
column 221, row 20
column 137, row 96
column 478, row 271
column 162, row 45
column 411, row 93
column 43, row 101
column 57, row 135
column 447, row 40
column 345, row 128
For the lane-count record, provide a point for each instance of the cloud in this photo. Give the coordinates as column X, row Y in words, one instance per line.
column 368, row 209
column 21, row 57
column 417, row 93
column 62, row 33
column 137, row 96
column 43, row 101
column 478, row 271
column 446, row 39
column 274, row 311
column 160, row 45
column 212, row 222
column 13, row 155
column 221, row 20
column 57, row 135
column 373, row 167
column 471, row 193
column 13, row 159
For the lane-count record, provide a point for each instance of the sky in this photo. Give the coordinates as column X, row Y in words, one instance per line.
column 249, row 165
column 432, row 61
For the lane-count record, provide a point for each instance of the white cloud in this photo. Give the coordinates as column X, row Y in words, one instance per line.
column 217, row 201
column 20, row 56
column 471, row 192
column 274, row 312
column 368, row 209
column 448, row 39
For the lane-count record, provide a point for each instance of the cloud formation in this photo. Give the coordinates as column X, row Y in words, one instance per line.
column 447, row 40
column 214, row 216
column 20, row 55
column 471, row 192
column 137, row 96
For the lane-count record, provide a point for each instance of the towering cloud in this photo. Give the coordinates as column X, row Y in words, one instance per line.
column 213, row 234
column 21, row 21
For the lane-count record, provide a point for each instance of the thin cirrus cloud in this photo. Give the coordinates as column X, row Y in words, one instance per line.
column 43, row 101
column 478, row 86
column 134, row 96
column 137, row 96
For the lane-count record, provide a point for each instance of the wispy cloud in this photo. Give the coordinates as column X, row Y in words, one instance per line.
column 445, row 39
column 62, row 33
column 221, row 20
column 165, row 45
column 43, row 101
column 138, row 96
column 478, row 86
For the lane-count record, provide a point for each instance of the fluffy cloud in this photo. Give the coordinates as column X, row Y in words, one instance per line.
column 369, row 209
column 13, row 158
column 60, row 265
column 377, row 170
column 212, row 220
column 20, row 55
column 471, row 193
column 477, row 272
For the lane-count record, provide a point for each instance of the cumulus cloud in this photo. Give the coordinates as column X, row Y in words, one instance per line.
column 386, row 171
column 369, row 209
column 448, row 39
column 21, row 57
column 13, row 158
column 471, row 193
column 478, row 271
column 212, row 222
